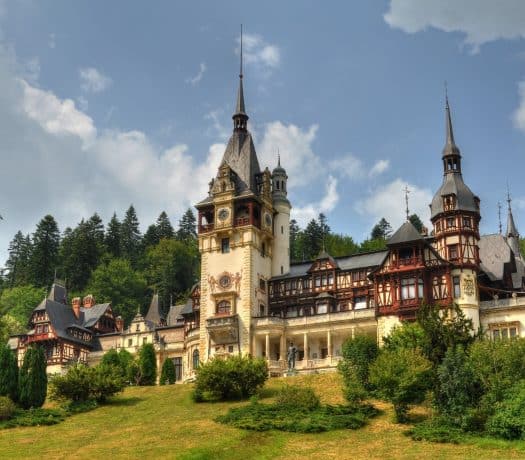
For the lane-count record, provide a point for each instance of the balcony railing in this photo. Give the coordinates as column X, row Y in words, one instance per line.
column 204, row 228
column 222, row 321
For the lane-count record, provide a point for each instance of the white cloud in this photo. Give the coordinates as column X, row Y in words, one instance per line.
column 295, row 147
column 518, row 117
column 259, row 53
column 93, row 81
column 197, row 78
column 83, row 103
column 348, row 165
column 379, row 168
column 303, row 214
column 388, row 201
column 481, row 21
column 56, row 116
column 52, row 41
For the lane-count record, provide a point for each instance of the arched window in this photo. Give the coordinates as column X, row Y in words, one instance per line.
column 195, row 359
column 223, row 307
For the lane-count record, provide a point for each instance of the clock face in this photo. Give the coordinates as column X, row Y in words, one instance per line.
column 225, row 281
column 268, row 219
column 223, row 213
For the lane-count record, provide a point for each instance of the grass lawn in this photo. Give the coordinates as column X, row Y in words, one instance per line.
column 163, row 422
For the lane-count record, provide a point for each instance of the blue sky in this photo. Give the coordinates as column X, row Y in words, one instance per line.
column 103, row 104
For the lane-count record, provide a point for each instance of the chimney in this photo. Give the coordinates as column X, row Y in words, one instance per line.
column 88, row 301
column 119, row 323
column 75, row 304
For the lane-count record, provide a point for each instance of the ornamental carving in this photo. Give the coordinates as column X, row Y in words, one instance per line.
column 225, row 282
column 468, row 287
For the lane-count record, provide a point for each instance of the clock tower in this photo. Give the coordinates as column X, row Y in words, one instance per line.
column 236, row 242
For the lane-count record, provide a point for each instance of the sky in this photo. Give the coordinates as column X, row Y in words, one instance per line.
column 107, row 104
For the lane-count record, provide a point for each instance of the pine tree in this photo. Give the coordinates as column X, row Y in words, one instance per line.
column 382, row 230
column 18, row 262
column 112, row 239
column 147, row 364
column 151, row 237
column 323, row 225
column 32, row 381
column 44, row 256
column 416, row 222
column 164, row 227
column 130, row 238
column 8, row 373
column 167, row 375
column 294, row 241
column 187, row 226
column 313, row 239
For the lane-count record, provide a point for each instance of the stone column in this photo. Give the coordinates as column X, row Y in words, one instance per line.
column 267, row 348
column 306, row 354
column 282, row 348
column 329, row 342
column 254, row 345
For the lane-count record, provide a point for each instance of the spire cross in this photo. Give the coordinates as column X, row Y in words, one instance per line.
column 407, row 191
column 499, row 217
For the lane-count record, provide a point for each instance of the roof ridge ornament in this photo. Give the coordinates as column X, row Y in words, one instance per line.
column 407, row 191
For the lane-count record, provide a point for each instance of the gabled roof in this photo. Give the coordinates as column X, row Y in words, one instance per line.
column 407, row 233
column 494, row 253
column 175, row 313
column 90, row 316
column 62, row 318
column 58, row 293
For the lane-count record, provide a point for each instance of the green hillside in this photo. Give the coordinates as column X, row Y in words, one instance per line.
column 163, row 422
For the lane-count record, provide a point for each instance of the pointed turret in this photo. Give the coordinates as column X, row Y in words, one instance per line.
column 512, row 234
column 451, row 154
column 154, row 314
column 240, row 119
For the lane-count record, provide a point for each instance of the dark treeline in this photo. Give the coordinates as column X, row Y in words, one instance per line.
column 114, row 262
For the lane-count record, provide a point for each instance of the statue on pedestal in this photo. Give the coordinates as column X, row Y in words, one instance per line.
column 292, row 351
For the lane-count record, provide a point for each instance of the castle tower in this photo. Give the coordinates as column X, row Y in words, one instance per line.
column 281, row 221
column 512, row 234
column 235, row 232
column 455, row 217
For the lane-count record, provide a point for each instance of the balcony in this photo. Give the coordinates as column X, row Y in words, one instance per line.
column 224, row 328
column 205, row 228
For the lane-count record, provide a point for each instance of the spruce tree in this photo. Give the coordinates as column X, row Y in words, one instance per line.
column 147, row 364
column 167, row 375
column 32, row 381
column 164, row 227
column 18, row 262
column 130, row 238
column 416, row 222
column 151, row 237
column 112, row 239
column 187, row 227
column 313, row 239
column 8, row 373
column 295, row 253
column 382, row 230
column 44, row 257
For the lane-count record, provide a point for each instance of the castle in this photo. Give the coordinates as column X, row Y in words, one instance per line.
column 252, row 300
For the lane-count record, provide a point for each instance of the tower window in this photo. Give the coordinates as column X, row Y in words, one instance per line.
column 455, row 282
column 277, row 183
column 225, row 245
column 453, row 252
column 467, row 223
column 223, row 307
column 282, row 230
column 282, row 270
column 451, row 222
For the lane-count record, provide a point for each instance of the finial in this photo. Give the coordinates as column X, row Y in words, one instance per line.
column 278, row 157
column 508, row 197
column 407, row 191
column 446, row 94
column 499, row 217
column 240, row 71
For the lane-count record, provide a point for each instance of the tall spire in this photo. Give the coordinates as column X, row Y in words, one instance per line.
column 451, row 154
column 240, row 118
column 513, row 237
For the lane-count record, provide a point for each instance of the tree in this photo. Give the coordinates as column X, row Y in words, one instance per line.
column 130, row 238
column 358, row 354
column 312, row 239
column 32, row 380
column 168, row 375
column 20, row 301
column 112, row 238
column 408, row 335
column 416, row 222
column 340, row 245
column 44, row 256
column 187, row 227
column 372, row 245
column 17, row 264
column 148, row 364
column 323, row 226
column 151, row 237
column 402, row 377
column 8, row 373
column 164, row 227
column 9, row 326
column 118, row 283
column 295, row 253
column 382, row 230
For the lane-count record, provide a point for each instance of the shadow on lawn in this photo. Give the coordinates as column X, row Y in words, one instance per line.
column 125, row 402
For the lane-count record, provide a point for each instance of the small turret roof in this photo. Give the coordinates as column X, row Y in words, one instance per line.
column 407, row 233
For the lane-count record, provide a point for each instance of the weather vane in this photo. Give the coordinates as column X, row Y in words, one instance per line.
column 407, row 191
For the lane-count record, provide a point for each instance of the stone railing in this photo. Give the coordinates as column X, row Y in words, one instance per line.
column 502, row 303
column 222, row 321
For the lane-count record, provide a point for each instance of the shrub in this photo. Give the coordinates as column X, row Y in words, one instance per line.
column 436, row 429
column 7, row 408
column 408, row 335
column 299, row 398
column 508, row 421
column 32, row 382
column 235, row 377
column 34, row 417
column 358, row 354
column 167, row 375
column 8, row 373
column 401, row 376
column 147, row 364
column 82, row 383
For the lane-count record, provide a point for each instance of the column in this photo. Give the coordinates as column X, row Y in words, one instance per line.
column 254, row 345
column 282, row 349
column 329, row 342
column 267, row 348
column 306, row 354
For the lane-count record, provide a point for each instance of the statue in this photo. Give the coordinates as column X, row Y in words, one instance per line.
column 292, row 351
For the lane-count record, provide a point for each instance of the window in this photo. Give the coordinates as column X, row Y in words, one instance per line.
column 467, row 222
column 177, row 362
column 195, row 359
column 130, row 342
column 230, row 348
column 225, row 245
column 262, row 285
column 317, row 281
column 457, row 286
column 144, row 340
column 504, row 331
column 263, row 249
column 291, row 312
column 223, row 307
column 453, row 252
column 137, row 329
column 262, row 309
column 360, row 302
column 408, row 288
column 322, row 308
column 282, row 270
column 451, row 222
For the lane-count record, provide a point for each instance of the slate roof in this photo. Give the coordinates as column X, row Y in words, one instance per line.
column 58, row 293
column 90, row 316
column 154, row 314
column 61, row 318
column 494, row 253
column 453, row 185
column 353, row 262
column 174, row 315
column 407, row 233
